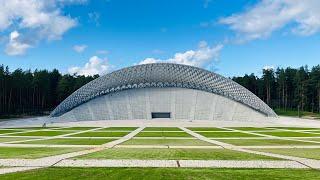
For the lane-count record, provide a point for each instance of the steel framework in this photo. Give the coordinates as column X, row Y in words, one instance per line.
column 162, row 75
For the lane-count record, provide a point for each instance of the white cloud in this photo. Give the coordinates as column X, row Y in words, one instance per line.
column 80, row 48
column 15, row 46
column 37, row 19
column 95, row 66
column 201, row 57
column 267, row 16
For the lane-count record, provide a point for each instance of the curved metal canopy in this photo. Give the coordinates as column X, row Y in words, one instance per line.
column 162, row 75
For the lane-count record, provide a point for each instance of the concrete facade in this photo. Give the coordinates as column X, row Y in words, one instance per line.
column 181, row 103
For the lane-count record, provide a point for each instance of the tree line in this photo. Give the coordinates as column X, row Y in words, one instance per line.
column 288, row 89
column 35, row 92
column 40, row 91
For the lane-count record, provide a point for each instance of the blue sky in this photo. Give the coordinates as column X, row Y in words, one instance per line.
column 230, row 38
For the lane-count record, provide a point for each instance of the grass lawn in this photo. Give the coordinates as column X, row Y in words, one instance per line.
column 31, row 153
column 3, row 131
column 294, row 113
column 248, row 128
column 163, row 134
column 162, row 173
column 78, row 128
column 8, row 139
column 162, row 129
column 101, row 134
column 42, row 133
column 168, row 142
column 290, row 134
column 173, row 154
column 296, row 128
column 226, row 134
column 66, row 141
column 305, row 153
column 119, row 129
column 318, row 131
column 263, row 142
column 206, row 129
column 311, row 139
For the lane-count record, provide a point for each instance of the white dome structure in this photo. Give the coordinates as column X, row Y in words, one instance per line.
column 162, row 90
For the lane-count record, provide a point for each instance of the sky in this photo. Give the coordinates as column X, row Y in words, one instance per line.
column 87, row 37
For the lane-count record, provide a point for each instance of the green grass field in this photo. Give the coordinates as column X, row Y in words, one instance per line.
column 206, row 129
column 174, row 154
column 31, row 153
column 160, row 143
column 42, row 133
column 163, row 173
column 8, row 139
column 163, row 134
column 167, row 142
column 226, row 134
column 100, row 134
column 73, row 141
column 249, row 128
column 264, row 142
column 290, row 134
column 8, row 131
column 304, row 153
column 162, row 129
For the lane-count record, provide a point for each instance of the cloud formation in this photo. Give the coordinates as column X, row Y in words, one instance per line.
column 201, row 57
column 80, row 48
column 15, row 46
column 267, row 16
column 95, row 66
column 37, row 19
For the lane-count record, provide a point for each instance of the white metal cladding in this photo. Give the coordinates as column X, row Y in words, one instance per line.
column 162, row 75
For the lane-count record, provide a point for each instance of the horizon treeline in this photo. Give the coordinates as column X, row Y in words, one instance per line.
column 287, row 89
column 35, row 92
column 26, row 92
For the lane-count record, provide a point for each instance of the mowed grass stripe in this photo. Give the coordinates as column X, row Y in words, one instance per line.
column 162, row 129
column 263, row 142
column 8, row 139
column 248, row 128
column 101, row 134
column 167, row 142
column 295, row 128
column 163, row 134
column 4, row 131
column 64, row 141
column 304, row 153
column 31, row 153
column 226, row 134
column 206, row 129
column 174, row 154
column 290, row 134
column 41, row 133
column 162, row 173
